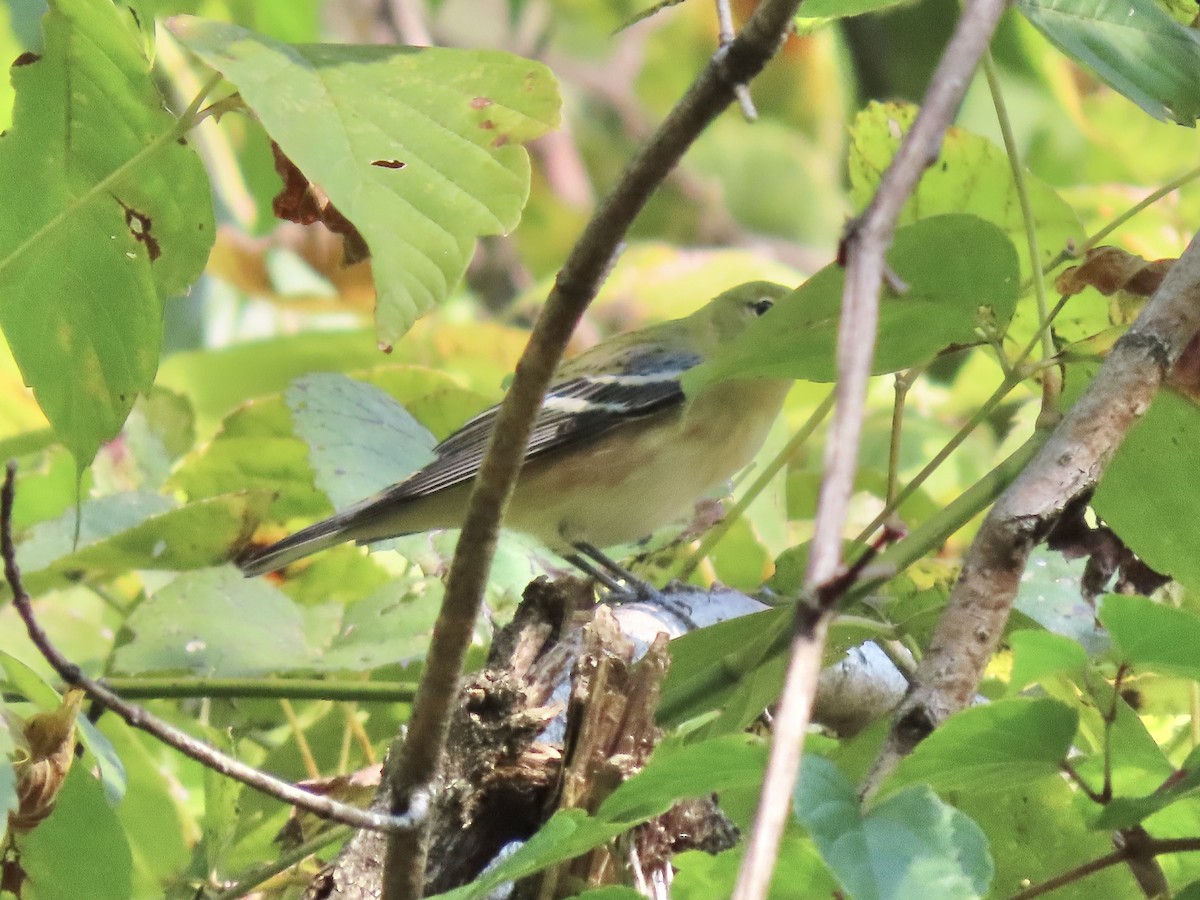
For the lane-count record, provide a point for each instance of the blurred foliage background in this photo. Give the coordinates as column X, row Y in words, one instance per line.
column 226, row 447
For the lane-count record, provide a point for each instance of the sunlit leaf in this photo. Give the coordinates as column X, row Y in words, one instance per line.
column 62, row 853
column 1148, row 488
column 1125, row 812
column 420, row 149
column 972, row 175
column 1153, row 636
column 1041, row 654
column 106, row 214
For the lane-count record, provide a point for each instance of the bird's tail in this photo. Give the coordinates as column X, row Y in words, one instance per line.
column 324, row 534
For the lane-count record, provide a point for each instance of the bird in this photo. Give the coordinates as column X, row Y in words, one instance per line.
column 617, row 450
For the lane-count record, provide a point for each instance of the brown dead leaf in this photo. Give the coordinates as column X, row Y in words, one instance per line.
column 302, row 201
column 1111, row 269
column 45, row 751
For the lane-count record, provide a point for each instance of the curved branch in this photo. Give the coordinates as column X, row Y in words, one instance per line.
column 139, row 718
column 414, row 766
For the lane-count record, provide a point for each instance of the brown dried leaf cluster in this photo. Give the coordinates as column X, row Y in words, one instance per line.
column 1114, row 272
column 44, row 755
column 302, row 201
column 1111, row 269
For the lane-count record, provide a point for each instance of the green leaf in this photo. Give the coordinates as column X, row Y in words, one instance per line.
column 959, row 271
column 139, row 531
column 1135, row 46
column 388, row 627
column 1040, row 654
column 30, row 685
column 993, row 747
column 910, row 845
column 710, row 664
column 218, row 623
column 677, row 771
column 703, row 876
column 1125, row 812
column 1036, row 833
column 255, row 450
column 107, row 213
column 972, row 175
column 420, row 148
column 1151, row 636
column 80, row 850
column 568, row 834
column 1150, row 485
column 360, row 440
column 155, row 826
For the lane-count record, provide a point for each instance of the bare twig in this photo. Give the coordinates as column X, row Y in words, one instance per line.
column 1144, row 849
column 168, row 734
column 413, row 768
column 1067, row 468
column 725, row 35
column 863, row 250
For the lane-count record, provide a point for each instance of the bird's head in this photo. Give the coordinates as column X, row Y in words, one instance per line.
column 730, row 313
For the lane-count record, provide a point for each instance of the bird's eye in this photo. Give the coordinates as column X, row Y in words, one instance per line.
column 761, row 305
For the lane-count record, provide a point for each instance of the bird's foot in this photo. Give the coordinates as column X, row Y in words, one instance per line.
column 625, row 587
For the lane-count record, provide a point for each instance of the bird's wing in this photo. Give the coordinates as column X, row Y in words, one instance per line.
column 581, row 406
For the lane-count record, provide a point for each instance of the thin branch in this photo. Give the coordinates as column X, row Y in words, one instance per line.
column 1146, row 202
column 264, row 688
column 1143, row 850
column 1022, row 189
column 413, row 768
column 244, row 885
column 903, row 382
column 168, row 734
column 1013, row 377
column 863, row 250
column 1076, row 874
column 713, row 536
column 725, row 35
column 1068, row 467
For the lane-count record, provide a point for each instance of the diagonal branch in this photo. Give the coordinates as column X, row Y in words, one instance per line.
column 413, row 767
column 863, row 250
column 168, row 734
column 1068, row 467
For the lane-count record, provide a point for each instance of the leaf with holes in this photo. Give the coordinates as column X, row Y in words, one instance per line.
column 420, row 148
column 106, row 213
